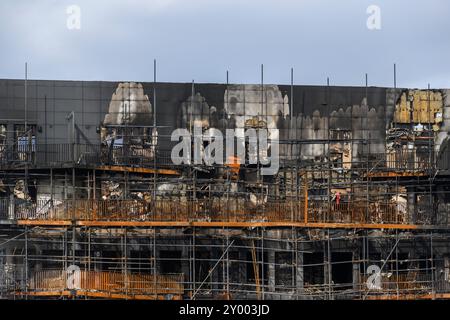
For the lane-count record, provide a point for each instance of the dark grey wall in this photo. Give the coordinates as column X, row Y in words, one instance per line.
column 49, row 102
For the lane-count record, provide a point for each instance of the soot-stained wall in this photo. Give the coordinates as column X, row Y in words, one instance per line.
column 316, row 109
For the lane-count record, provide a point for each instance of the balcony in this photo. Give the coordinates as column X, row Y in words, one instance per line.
column 103, row 284
column 207, row 212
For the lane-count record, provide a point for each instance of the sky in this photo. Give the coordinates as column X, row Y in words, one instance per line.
column 201, row 39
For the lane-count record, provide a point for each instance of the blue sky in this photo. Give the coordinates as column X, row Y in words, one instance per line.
column 201, row 39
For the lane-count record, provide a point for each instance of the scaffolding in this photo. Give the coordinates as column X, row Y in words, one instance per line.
column 348, row 215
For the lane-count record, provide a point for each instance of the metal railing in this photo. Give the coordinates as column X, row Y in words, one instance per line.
column 107, row 282
column 144, row 155
column 404, row 284
column 209, row 209
column 355, row 212
column 57, row 155
column 399, row 160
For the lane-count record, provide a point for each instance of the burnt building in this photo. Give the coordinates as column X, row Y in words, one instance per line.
column 214, row 191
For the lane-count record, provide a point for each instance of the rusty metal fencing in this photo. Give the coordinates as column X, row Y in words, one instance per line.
column 354, row 212
column 107, row 282
column 178, row 209
column 404, row 283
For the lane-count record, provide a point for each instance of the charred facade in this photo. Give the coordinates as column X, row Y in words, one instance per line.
column 92, row 204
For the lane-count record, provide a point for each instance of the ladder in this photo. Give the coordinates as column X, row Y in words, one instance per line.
column 256, row 271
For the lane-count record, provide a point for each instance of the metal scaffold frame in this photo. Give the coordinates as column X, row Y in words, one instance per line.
column 117, row 219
